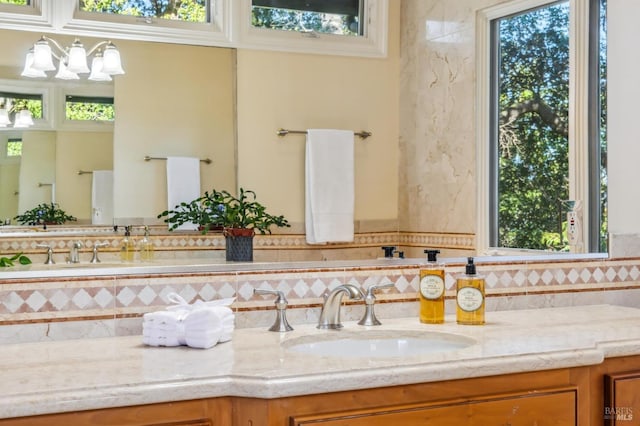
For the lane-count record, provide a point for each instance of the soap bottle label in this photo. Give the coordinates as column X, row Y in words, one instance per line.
column 432, row 286
column 469, row 299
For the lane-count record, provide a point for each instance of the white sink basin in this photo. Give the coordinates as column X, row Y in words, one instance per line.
column 377, row 344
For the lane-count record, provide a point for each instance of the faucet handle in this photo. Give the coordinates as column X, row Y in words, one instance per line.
column 281, row 324
column 96, row 246
column 369, row 317
column 373, row 288
column 49, row 260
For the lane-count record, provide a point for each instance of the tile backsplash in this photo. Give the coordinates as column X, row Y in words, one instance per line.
column 76, row 307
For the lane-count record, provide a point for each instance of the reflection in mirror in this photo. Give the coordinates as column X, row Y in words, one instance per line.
column 174, row 100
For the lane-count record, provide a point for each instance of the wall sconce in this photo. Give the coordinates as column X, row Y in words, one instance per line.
column 72, row 60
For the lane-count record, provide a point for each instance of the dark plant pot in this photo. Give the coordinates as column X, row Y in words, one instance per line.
column 239, row 244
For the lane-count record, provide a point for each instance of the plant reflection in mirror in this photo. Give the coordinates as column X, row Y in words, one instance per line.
column 222, row 210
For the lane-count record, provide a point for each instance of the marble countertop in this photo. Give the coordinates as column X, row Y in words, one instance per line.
column 40, row 378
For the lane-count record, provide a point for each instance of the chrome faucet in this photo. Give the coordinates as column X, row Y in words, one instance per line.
column 74, row 252
column 96, row 246
column 281, row 324
column 369, row 317
column 49, row 260
column 330, row 314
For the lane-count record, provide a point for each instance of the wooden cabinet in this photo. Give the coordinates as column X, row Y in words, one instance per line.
column 552, row 408
column 607, row 393
column 205, row 412
column 621, row 398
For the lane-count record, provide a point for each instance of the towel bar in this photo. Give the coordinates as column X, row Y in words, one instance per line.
column 148, row 158
column 84, row 172
column 283, row 132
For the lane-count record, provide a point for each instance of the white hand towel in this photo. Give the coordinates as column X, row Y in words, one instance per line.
column 102, row 197
column 183, row 184
column 329, row 183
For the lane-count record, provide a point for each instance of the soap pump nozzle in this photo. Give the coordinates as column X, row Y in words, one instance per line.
column 432, row 255
column 470, row 268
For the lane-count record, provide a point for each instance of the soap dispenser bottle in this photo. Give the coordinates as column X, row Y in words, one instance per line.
column 432, row 287
column 470, row 296
column 146, row 246
column 127, row 249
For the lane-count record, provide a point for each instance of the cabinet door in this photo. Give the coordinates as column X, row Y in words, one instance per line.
column 621, row 397
column 552, row 408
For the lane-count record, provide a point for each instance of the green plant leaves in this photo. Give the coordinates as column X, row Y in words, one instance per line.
column 5, row 262
column 220, row 208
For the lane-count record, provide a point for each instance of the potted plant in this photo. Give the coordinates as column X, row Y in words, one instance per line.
column 196, row 211
column 241, row 217
column 45, row 214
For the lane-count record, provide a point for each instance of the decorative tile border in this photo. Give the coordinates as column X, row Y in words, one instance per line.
column 32, row 300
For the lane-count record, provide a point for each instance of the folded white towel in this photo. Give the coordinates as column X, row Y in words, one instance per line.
column 198, row 325
column 329, row 183
column 102, row 197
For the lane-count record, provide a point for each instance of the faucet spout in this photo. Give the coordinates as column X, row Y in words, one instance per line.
column 74, row 252
column 330, row 314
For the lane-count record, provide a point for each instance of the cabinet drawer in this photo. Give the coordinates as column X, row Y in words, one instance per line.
column 547, row 408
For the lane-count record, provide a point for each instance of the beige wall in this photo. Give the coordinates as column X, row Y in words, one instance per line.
column 301, row 91
column 9, row 176
column 174, row 100
column 37, row 166
column 76, row 151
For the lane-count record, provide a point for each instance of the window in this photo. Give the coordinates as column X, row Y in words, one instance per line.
column 543, row 127
column 89, row 108
column 14, row 102
column 14, row 147
column 317, row 16
column 186, row 21
column 341, row 27
column 34, row 13
column 149, row 11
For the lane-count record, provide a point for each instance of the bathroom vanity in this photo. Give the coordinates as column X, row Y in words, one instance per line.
column 557, row 366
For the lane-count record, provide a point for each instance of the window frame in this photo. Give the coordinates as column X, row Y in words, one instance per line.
column 580, row 145
column 373, row 43
column 60, row 99
column 44, row 89
column 215, row 33
column 38, row 15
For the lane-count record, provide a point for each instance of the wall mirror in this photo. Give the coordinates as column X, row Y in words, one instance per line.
column 174, row 100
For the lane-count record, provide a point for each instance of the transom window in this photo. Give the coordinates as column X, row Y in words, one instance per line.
column 14, row 102
column 14, row 147
column 89, row 108
column 148, row 10
column 343, row 17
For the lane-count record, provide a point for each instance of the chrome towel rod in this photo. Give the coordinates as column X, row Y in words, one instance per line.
column 147, row 158
column 84, row 172
column 284, row 132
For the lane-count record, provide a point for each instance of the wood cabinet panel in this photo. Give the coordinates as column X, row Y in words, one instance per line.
column 549, row 408
column 622, row 399
column 212, row 412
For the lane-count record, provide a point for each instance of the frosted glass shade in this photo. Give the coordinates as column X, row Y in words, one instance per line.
column 77, row 59
column 4, row 118
column 23, row 119
column 65, row 74
column 96, row 70
column 111, row 60
column 42, row 58
column 28, row 70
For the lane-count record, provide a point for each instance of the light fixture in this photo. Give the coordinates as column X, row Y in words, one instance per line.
column 72, row 60
column 23, row 118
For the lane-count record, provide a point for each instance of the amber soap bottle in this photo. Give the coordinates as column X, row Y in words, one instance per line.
column 431, row 292
column 470, row 296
